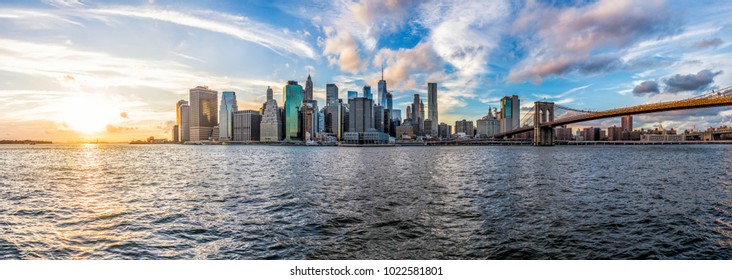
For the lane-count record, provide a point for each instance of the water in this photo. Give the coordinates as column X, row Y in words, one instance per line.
column 266, row 202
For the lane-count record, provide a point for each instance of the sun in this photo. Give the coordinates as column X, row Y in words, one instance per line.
column 88, row 114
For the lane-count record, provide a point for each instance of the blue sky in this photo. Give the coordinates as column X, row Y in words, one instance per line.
column 78, row 70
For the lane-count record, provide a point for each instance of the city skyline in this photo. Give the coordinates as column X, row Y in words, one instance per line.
column 79, row 70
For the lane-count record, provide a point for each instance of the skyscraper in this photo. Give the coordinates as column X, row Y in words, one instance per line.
column 179, row 122
column 331, row 95
column 247, row 125
column 203, row 115
column 432, row 106
column 382, row 91
column 510, row 112
column 226, row 113
column 396, row 115
column 465, row 127
column 367, row 92
column 626, row 122
column 361, row 115
column 308, row 93
column 176, row 134
column 352, row 94
column 185, row 122
column 292, row 94
column 269, row 94
column 309, row 119
column 389, row 102
column 409, row 112
column 271, row 125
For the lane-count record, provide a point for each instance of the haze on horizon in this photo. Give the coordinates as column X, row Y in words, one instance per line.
column 113, row 70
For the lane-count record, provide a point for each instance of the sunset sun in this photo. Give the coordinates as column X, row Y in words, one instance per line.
column 88, row 114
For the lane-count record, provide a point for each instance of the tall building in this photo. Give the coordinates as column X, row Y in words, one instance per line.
column 396, row 115
column 563, row 133
column 409, row 113
column 308, row 93
column 247, row 125
column 176, row 134
column 510, row 112
column 465, row 127
column 270, row 94
column 591, row 134
column 488, row 125
column 614, row 133
column 182, row 121
column 309, row 119
column 382, row 91
column 352, row 95
column 332, row 115
column 379, row 118
column 626, row 122
column 367, row 92
column 331, row 95
column 417, row 116
column 422, row 129
column 361, row 115
column 432, row 106
column 444, row 131
column 271, row 126
column 202, row 115
column 226, row 112
column 428, row 124
column 389, row 102
column 292, row 94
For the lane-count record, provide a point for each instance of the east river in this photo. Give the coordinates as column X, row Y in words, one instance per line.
column 270, row 202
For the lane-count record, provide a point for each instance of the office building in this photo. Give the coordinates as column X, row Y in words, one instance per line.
column 367, row 92
column 510, row 113
column 331, row 95
column 396, row 115
column 271, row 126
column 389, row 102
column 614, row 133
column 626, row 123
column 432, row 107
column 379, row 118
column 428, row 124
column 352, row 95
column 405, row 131
column 465, row 127
column 309, row 119
column 247, row 125
column 203, row 116
column 417, row 115
column 179, row 120
column 292, row 95
column 361, row 115
column 382, row 91
column 270, row 94
column 444, row 131
column 591, row 134
column 308, row 92
column 182, row 119
column 563, row 133
column 226, row 111
column 176, row 134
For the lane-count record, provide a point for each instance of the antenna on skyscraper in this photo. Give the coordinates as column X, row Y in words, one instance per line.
column 382, row 72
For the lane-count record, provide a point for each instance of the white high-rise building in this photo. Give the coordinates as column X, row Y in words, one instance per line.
column 226, row 115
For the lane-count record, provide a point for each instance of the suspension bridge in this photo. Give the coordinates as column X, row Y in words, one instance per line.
column 541, row 117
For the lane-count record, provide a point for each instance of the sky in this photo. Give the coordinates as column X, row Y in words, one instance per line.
column 76, row 70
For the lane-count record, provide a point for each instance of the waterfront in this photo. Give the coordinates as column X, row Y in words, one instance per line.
column 274, row 202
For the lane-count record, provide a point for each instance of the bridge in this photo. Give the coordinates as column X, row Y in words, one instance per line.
column 541, row 119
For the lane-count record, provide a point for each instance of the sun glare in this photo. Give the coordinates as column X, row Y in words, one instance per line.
column 88, row 114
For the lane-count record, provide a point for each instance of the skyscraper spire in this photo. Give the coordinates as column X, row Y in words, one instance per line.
column 382, row 72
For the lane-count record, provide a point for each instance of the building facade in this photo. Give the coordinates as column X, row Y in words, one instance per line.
column 331, row 95
column 432, row 107
column 466, row 127
column 202, row 116
column 367, row 92
column 271, row 125
column 226, row 112
column 361, row 115
column 247, row 125
column 184, row 128
column 292, row 95
column 626, row 123
column 510, row 113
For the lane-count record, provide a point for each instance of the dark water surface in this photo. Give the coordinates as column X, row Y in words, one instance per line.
column 265, row 202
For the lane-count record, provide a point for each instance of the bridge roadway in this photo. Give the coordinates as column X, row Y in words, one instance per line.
column 717, row 98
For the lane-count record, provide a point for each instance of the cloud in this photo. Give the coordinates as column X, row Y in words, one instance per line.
column 64, row 3
column 706, row 43
column 377, row 17
column 464, row 33
column 232, row 25
column 690, row 82
column 341, row 49
column 404, row 64
column 124, row 115
column 646, row 87
column 562, row 40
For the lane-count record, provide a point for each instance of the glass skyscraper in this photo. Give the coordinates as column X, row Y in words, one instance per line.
column 367, row 92
column 226, row 115
column 292, row 94
column 331, row 95
column 352, row 95
column 382, row 91
column 432, row 107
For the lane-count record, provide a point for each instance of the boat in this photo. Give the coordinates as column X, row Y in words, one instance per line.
column 312, row 143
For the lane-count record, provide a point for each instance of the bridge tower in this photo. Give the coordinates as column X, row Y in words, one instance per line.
column 543, row 113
